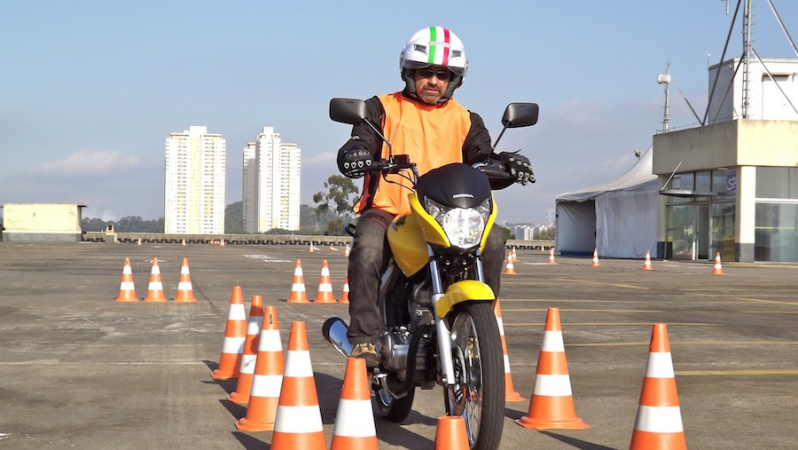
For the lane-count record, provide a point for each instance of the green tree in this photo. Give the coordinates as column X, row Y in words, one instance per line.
column 339, row 198
column 509, row 234
column 234, row 218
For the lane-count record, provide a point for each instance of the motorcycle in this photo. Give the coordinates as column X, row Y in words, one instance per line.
column 440, row 327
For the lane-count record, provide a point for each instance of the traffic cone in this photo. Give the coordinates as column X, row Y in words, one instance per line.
column 298, row 422
column 184, row 243
column 222, row 244
column 345, row 294
column 354, row 421
column 155, row 288
column 551, row 256
column 647, row 262
column 717, row 270
column 510, row 395
column 552, row 403
column 268, row 377
column 127, row 290
column 659, row 420
column 139, row 244
column 312, row 248
column 247, row 367
column 333, row 249
column 347, row 250
column 185, row 293
column 595, row 262
column 235, row 334
column 515, row 256
column 509, row 269
column 325, row 294
column 451, row 434
column 298, row 294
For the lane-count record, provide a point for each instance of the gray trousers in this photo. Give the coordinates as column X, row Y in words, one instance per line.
column 368, row 259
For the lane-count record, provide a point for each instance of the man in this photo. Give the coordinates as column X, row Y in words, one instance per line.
column 424, row 122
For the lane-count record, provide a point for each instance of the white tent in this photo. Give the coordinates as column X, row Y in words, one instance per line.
column 618, row 218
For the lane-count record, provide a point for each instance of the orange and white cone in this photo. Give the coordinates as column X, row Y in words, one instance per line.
column 347, row 250
column 298, row 422
column 185, row 293
column 659, row 419
column 325, row 294
column 647, row 262
column 183, row 244
column 235, row 334
column 312, row 248
column 221, row 243
column 246, row 369
column 345, row 294
column 333, row 249
column 515, row 256
column 509, row 269
column 510, row 395
column 451, row 434
column 155, row 288
column 127, row 290
column 139, row 244
column 354, row 421
column 268, row 377
column 298, row 294
column 717, row 270
column 595, row 262
column 552, row 403
column 551, row 256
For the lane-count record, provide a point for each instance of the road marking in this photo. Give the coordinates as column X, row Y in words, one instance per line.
column 570, row 324
column 775, row 302
column 627, row 286
column 677, row 343
column 699, row 373
column 582, row 310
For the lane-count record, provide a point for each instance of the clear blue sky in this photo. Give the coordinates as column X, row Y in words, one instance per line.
column 89, row 90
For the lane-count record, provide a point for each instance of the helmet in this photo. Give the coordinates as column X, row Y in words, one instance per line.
column 433, row 46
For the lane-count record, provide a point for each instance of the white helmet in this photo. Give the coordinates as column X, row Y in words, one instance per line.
column 434, row 46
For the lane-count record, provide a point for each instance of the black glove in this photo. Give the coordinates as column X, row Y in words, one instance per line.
column 354, row 161
column 518, row 166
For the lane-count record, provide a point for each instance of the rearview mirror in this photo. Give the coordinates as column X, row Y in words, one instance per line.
column 518, row 115
column 347, row 110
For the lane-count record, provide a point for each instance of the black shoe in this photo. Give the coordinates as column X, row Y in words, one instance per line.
column 367, row 352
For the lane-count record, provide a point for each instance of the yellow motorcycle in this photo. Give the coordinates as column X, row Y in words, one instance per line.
column 435, row 304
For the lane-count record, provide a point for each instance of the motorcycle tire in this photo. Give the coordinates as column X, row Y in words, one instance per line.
column 393, row 409
column 478, row 395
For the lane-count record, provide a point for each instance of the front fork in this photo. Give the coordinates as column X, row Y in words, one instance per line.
column 444, row 334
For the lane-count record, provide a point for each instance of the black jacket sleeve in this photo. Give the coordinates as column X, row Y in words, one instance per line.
column 362, row 135
column 477, row 147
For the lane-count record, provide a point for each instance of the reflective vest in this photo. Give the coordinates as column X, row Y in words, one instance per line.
column 432, row 135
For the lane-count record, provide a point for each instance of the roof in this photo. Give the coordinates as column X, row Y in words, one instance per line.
column 638, row 177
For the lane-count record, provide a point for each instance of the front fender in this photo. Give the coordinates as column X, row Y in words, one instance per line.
column 463, row 291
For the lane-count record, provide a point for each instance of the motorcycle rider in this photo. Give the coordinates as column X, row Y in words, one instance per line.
column 426, row 123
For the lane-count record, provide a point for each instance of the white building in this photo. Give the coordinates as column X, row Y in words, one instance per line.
column 194, row 181
column 271, row 183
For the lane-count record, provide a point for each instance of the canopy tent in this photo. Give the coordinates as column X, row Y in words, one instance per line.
column 617, row 218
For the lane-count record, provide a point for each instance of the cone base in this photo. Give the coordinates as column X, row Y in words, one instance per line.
column 253, row 425
column 513, row 397
column 185, row 300
column 223, row 375
column 544, row 424
column 238, row 399
column 156, row 300
column 293, row 299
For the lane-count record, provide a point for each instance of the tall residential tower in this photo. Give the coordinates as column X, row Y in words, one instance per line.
column 271, row 183
column 194, row 182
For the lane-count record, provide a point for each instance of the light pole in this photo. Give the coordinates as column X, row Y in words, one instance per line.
column 666, row 80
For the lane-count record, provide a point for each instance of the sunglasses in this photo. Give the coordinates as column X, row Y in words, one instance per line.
column 442, row 74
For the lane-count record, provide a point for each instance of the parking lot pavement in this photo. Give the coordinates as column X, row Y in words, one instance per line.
column 79, row 370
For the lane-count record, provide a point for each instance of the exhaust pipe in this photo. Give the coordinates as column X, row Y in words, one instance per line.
column 334, row 330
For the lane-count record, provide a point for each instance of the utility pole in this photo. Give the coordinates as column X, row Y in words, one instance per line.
column 666, row 80
column 746, row 56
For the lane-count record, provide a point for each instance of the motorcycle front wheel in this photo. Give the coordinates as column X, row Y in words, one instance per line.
column 478, row 392
column 393, row 409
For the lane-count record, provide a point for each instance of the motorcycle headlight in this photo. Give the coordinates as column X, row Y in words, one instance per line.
column 463, row 226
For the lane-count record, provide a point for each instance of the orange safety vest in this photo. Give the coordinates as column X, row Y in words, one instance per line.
column 431, row 135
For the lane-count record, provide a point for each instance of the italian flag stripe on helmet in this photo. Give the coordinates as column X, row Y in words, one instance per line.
column 436, row 55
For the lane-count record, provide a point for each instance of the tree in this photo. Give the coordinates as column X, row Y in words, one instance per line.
column 340, row 197
column 507, row 232
column 234, row 218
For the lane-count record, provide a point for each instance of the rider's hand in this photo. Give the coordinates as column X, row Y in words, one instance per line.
column 354, row 161
column 518, row 166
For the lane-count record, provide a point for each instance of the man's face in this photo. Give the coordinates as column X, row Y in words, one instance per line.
column 431, row 83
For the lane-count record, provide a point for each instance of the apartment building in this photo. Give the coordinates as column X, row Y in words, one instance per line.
column 271, row 183
column 194, row 179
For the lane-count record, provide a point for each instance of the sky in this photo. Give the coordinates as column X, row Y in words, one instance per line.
column 90, row 90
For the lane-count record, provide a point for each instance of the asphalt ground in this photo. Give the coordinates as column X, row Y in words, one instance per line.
column 79, row 370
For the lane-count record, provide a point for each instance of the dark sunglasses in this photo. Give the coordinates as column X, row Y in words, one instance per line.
column 442, row 74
